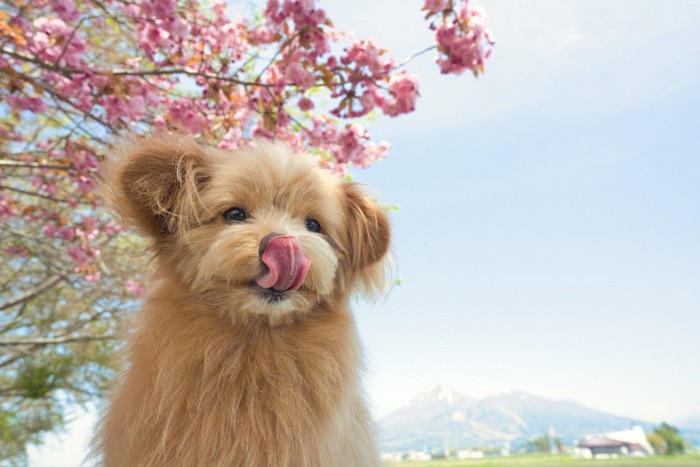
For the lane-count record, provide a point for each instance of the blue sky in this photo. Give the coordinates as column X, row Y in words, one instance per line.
column 548, row 234
column 547, row 239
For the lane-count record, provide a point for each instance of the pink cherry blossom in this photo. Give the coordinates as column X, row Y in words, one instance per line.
column 134, row 288
column 17, row 251
column 136, row 105
column 186, row 114
column 66, row 10
column 403, row 88
column 78, row 254
column 33, row 104
column 7, row 210
column 86, row 184
column 372, row 97
column 463, row 40
column 435, row 6
column 232, row 139
column 296, row 74
column 368, row 55
column 305, row 104
column 261, row 35
column 53, row 39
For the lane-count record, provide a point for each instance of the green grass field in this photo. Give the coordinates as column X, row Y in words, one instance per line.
column 555, row 461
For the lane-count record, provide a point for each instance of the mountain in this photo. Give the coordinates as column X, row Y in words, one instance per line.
column 689, row 423
column 425, row 406
column 690, row 428
column 441, row 417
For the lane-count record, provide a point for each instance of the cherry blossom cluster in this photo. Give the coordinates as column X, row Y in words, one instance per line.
column 77, row 74
column 464, row 41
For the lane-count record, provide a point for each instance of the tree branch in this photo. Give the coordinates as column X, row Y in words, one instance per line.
column 70, row 38
column 31, row 193
column 58, row 97
column 69, row 71
column 38, row 290
column 33, row 165
column 415, row 55
column 182, row 71
column 37, row 341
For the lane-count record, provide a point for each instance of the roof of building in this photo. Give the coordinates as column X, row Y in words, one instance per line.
column 601, row 442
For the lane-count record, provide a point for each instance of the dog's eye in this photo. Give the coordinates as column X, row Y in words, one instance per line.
column 234, row 215
column 313, row 225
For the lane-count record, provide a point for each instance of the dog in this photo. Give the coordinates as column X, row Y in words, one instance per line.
column 245, row 352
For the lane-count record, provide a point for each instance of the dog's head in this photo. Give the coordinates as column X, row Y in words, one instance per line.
column 261, row 231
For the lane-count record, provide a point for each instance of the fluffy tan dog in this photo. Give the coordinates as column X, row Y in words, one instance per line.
column 245, row 352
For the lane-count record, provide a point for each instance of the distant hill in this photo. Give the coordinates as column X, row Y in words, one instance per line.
column 689, row 423
column 690, row 428
column 441, row 417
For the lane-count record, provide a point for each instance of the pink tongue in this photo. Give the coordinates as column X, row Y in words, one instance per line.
column 286, row 263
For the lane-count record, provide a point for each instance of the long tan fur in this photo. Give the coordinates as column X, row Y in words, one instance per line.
column 216, row 375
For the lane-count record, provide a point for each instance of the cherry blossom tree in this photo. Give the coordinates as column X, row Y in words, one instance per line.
column 77, row 74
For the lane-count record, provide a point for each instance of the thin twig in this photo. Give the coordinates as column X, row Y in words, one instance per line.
column 38, row 290
column 70, row 71
column 70, row 38
column 33, row 165
column 415, row 55
column 31, row 193
column 37, row 341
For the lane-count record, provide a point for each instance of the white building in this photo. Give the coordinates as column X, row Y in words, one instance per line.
column 614, row 444
column 470, row 454
column 418, row 456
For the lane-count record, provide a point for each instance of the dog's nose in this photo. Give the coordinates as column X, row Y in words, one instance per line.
column 266, row 239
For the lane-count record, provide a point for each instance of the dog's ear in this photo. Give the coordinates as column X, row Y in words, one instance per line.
column 154, row 184
column 368, row 236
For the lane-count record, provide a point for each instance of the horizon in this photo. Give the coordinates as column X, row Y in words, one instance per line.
column 71, row 446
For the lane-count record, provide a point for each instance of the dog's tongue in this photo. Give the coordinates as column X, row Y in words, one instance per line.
column 286, row 263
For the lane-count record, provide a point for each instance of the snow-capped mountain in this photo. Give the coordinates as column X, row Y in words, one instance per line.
column 441, row 417
column 436, row 394
column 423, row 409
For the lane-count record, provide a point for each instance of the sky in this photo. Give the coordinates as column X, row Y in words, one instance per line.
column 547, row 236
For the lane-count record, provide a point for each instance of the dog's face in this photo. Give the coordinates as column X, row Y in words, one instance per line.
column 260, row 231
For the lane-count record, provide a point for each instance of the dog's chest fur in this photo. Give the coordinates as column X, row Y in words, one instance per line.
column 228, row 395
